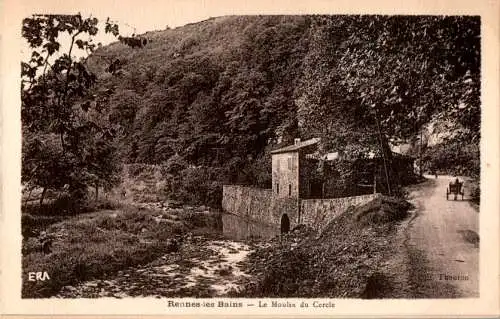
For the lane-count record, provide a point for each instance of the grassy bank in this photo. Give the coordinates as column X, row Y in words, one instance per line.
column 346, row 259
column 97, row 245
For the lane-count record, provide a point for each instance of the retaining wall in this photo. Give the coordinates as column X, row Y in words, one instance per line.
column 256, row 208
column 247, row 201
column 256, row 212
column 318, row 212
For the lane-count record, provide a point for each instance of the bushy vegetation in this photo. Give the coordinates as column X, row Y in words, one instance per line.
column 457, row 157
column 196, row 185
column 454, row 157
column 476, row 192
column 96, row 245
column 67, row 144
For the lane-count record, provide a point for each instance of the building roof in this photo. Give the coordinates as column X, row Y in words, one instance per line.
column 332, row 156
column 297, row 146
column 401, row 148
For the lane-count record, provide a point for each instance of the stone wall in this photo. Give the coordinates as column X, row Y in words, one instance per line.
column 248, row 201
column 318, row 212
column 256, row 212
column 257, row 208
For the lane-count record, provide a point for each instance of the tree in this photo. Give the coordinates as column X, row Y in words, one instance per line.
column 405, row 69
column 391, row 76
column 408, row 69
column 66, row 143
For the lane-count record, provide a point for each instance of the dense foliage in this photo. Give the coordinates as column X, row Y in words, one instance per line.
column 67, row 144
column 223, row 92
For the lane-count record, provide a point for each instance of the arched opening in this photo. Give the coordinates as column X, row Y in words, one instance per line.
column 285, row 224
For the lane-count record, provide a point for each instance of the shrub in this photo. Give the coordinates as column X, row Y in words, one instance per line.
column 196, row 185
column 63, row 205
column 454, row 157
column 277, row 281
column 137, row 169
column 475, row 191
column 31, row 225
column 382, row 210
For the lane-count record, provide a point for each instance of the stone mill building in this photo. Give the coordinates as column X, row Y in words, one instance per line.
column 301, row 193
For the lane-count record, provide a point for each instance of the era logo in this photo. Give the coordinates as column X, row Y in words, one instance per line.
column 37, row 276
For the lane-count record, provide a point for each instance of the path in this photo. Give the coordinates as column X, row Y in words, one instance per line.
column 443, row 243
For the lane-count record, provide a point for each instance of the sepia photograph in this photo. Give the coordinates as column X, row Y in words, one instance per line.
column 251, row 156
column 260, row 161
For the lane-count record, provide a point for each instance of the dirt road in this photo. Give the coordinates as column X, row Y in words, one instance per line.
column 443, row 243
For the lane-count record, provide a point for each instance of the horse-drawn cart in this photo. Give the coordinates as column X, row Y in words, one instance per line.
column 455, row 189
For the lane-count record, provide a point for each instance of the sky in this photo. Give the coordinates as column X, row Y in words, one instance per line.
column 132, row 17
column 140, row 16
column 150, row 15
column 145, row 15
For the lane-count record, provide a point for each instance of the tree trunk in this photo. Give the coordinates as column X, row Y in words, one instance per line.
column 421, row 163
column 43, row 195
column 391, row 165
column 61, row 136
column 96, row 191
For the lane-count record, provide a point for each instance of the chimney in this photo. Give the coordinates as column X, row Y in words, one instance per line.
column 296, row 141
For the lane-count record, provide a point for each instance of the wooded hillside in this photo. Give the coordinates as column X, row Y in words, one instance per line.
column 208, row 100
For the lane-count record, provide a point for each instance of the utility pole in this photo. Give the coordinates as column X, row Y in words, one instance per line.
column 383, row 152
column 421, row 162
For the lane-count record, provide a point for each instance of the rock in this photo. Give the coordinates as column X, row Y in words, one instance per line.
column 69, row 288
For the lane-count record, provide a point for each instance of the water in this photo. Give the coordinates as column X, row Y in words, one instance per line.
column 203, row 268
column 239, row 228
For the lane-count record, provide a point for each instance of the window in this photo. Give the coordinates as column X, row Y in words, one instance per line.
column 277, row 188
column 289, row 190
column 290, row 163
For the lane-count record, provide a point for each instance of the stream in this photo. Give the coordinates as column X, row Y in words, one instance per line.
column 201, row 268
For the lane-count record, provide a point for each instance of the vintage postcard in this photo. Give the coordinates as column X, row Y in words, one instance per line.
column 317, row 159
